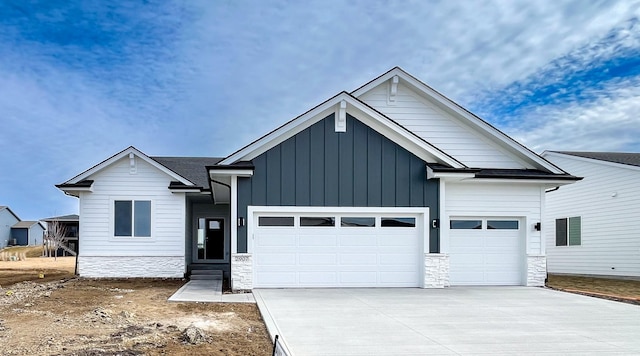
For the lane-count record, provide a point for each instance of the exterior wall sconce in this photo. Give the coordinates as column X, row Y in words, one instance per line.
column 435, row 223
column 537, row 226
column 241, row 222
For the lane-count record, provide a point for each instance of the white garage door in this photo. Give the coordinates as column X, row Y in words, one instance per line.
column 486, row 251
column 336, row 250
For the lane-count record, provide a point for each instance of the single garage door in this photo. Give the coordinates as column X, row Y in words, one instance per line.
column 336, row 250
column 486, row 251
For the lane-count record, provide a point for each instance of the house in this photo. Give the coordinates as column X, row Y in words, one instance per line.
column 390, row 185
column 70, row 225
column 25, row 233
column 7, row 219
column 593, row 226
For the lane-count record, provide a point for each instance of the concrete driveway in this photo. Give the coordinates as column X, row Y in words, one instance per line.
column 452, row 321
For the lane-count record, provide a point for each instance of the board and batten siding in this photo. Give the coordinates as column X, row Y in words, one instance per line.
column 321, row 167
column 439, row 128
column 117, row 183
column 608, row 202
column 480, row 200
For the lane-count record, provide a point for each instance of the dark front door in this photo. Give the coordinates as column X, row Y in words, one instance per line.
column 211, row 239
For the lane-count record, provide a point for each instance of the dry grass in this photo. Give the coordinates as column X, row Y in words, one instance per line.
column 12, row 272
column 628, row 290
column 30, row 251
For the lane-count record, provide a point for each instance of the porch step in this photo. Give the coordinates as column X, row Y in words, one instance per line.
column 207, row 274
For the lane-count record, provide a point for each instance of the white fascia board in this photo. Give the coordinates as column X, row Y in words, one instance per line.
column 283, row 133
column 590, row 160
column 104, row 164
column 449, row 176
column 367, row 115
column 496, row 135
column 77, row 189
column 543, row 182
column 230, row 172
column 178, row 190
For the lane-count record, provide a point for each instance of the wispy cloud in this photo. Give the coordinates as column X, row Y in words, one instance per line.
column 82, row 80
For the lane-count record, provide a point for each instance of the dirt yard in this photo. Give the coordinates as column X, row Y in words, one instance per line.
column 62, row 315
column 615, row 289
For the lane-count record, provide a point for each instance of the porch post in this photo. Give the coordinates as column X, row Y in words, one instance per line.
column 234, row 215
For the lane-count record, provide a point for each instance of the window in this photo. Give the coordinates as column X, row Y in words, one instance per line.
column 398, row 222
column 275, row 220
column 569, row 231
column 465, row 224
column 317, row 221
column 357, row 222
column 132, row 218
column 502, row 224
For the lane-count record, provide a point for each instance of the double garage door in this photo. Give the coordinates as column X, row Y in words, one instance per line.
column 486, row 251
column 337, row 249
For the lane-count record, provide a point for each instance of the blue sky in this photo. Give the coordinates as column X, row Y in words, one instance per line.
column 82, row 80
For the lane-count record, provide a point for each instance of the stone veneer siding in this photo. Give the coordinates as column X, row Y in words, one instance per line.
column 131, row 266
column 241, row 271
column 436, row 270
column 536, row 270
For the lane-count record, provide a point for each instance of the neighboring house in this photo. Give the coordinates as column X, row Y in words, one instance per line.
column 71, row 226
column 7, row 219
column 27, row 233
column 593, row 226
column 391, row 185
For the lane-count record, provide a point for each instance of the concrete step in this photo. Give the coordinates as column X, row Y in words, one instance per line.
column 205, row 277
column 206, row 274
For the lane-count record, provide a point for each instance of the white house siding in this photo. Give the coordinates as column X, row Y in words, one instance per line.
column 7, row 220
column 36, row 234
column 524, row 202
column 167, row 243
column 439, row 128
column 610, row 224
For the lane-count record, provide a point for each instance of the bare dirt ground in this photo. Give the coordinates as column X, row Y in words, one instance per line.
column 615, row 289
column 86, row 317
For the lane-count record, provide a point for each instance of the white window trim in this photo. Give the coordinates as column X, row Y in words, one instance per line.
column 112, row 219
column 555, row 232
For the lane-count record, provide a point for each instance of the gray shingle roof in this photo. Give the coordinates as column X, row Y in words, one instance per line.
column 628, row 158
column 25, row 224
column 70, row 217
column 192, row 168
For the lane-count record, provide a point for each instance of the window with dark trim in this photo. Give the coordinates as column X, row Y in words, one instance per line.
column 569, row 231
column 317, row 221
column 275, row 221
column 465, row 224
column 132, row 218
column 398, row 222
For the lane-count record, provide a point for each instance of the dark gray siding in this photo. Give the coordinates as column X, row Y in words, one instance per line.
column 321, row 167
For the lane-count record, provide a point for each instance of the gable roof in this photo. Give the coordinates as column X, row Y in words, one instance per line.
column 82, row 177
column 26, row 224
column 70, row 217
column 365, row 113
column 4, row 207
column 192, row 168
column 483, row 127
column 626, row 158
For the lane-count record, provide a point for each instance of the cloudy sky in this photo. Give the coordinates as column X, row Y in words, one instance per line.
column 82, row 80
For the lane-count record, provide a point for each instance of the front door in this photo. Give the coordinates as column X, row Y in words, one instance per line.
column 210, row 245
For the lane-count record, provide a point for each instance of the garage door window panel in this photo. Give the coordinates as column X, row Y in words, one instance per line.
column 357, row 222
column 398, row 222
column 502, row 224
column 465, row 224
column 317, row 221
column 275, row 221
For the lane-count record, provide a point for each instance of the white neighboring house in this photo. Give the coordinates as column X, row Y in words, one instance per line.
column 593, row 226
column 7, row 219
column 391, row 185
